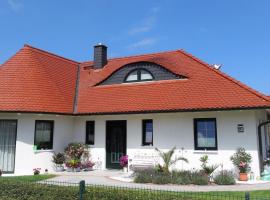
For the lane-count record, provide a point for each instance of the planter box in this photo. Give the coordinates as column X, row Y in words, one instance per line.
column 73, row 169
column 59, row 168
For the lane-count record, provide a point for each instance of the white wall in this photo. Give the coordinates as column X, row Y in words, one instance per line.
column 26, row 158
column 171, row 129
column 176, row 129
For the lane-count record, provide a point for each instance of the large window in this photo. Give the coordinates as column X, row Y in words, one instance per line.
column 147, row 132
column 44, row 135
column 205, row 134
column 139, row 75
column 90, row 132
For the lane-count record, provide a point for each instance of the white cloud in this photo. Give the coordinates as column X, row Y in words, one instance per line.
column 143, row 43
column 14, row 5
column 147, row 23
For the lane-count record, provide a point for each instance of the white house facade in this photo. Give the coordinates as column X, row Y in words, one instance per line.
column 158, row 105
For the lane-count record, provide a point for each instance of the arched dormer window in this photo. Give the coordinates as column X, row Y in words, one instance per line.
column 139, row 75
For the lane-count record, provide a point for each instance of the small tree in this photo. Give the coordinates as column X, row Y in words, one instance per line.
column 167, row 159
column 207, row 169
column 241, row 159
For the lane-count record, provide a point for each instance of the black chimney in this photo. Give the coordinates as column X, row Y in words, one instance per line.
column 100, row 56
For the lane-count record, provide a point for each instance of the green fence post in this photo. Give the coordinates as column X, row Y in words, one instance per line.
column 81, row 189
column 247, row 196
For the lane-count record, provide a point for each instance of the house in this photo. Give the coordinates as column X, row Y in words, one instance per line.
column 127, row 105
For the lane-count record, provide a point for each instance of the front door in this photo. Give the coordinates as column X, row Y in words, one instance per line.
column 8, row 133
column 116, row 132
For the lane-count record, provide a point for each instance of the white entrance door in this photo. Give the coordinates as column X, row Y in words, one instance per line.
column 8, row 133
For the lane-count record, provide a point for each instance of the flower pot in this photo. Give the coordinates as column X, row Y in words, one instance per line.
column 243, row 177
column 69, row 169
column 88, row 169
column 125, row 169
column 59, row 168
column 78, row 169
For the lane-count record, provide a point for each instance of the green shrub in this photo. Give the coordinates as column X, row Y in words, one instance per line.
column 144, row 175
column 224, row 178
column 181, row 177
column 199, row 178
column 161, row 178
column 175, row 177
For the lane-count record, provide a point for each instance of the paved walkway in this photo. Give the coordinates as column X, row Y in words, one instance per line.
column 105, row 178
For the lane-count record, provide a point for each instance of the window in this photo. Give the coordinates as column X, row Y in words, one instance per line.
column 90, row 132
column 139, row 75
column 44, row 135
column 147, row 132
column 205, row 134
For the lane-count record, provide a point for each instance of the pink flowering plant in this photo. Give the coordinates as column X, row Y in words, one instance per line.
column 124, row 161
column 241, row 159
column 88, row 164
column 36, row 171
column 75, row 150
column 243, row 167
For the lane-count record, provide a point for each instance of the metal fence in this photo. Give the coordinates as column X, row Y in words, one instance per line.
column 43, row 190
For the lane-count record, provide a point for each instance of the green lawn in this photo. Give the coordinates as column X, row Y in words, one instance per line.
column 28, row 187
column 30, row 178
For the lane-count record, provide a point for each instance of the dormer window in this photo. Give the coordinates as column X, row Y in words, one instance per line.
column 139, row 75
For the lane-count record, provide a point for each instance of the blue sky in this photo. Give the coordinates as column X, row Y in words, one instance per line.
column 233, row 33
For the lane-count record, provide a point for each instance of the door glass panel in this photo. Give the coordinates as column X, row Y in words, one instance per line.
column 7, row 145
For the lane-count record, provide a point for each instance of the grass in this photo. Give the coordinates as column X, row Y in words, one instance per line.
column 30, row 178
column 25, row 185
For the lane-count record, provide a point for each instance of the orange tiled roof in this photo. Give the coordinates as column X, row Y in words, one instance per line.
column 38, row 81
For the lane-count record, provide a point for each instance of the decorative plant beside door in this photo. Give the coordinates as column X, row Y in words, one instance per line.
column 124, row 162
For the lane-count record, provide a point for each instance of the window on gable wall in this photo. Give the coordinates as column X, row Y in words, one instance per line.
column 139, row 75
column 205, row 134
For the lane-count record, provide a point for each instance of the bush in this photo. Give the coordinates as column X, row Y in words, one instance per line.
column 144, row 175
column 175, row 177
column 224, row 178
column 181, row 177
column 161, row 178
column 199, row 178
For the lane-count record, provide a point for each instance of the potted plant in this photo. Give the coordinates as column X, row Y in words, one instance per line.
column 36, row 171
column 88, row 166
column 59, row 160
column 124, row 163
column 241, row 160
column 73, row 165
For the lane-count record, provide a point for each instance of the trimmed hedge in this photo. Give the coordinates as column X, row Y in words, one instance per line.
column 22, row 190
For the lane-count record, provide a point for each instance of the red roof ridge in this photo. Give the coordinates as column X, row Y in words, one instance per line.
column 49, row 54
column 135, row 56
column 224, row 75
